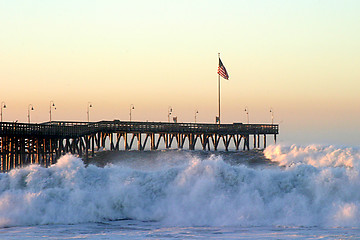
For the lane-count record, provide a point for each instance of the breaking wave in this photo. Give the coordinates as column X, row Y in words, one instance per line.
column 310, row 186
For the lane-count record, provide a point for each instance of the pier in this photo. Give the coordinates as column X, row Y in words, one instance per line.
column 22, row 144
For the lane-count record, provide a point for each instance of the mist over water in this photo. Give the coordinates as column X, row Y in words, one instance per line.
column 282, row 186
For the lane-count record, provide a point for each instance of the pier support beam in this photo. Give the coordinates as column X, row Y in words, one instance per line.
column 254, row 140
column 139, row 141
column 264, row 140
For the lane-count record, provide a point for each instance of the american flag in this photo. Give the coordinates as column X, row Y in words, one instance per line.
column 222, row 70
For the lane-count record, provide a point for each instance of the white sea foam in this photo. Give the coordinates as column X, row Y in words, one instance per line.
column 315, row 155
column 316, row 188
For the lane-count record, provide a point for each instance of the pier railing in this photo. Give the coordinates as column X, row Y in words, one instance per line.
column 76, row 129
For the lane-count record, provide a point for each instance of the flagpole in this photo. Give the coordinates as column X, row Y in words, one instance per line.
column 219, row 90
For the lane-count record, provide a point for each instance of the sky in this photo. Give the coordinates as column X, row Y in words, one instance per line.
column 298, row 58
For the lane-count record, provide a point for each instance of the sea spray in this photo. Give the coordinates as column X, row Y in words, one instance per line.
column 315, row 155
column 189, row 189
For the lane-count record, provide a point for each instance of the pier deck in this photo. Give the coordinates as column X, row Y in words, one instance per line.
column 44, row 143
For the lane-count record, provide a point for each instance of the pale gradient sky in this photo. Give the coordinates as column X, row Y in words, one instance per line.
column 299, row 57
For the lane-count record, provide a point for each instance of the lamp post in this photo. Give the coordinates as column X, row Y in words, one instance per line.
column 52, row 104
column 247, row 114
column 196, row 112
column 30, row 109
column 88, row 111
column 131, row 108
column 272, row 115
column 169, row 112
column 3, row 105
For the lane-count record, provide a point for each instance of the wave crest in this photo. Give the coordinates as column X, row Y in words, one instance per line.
column 315, row 155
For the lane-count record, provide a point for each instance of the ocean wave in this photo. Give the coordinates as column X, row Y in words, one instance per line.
column 196, row 190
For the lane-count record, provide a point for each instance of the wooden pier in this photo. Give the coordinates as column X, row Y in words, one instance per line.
column 22, row 144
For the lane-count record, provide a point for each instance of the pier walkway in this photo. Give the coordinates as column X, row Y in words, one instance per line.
column 44, row 143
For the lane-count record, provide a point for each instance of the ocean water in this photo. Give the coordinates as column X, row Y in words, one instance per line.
column 283, row 192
